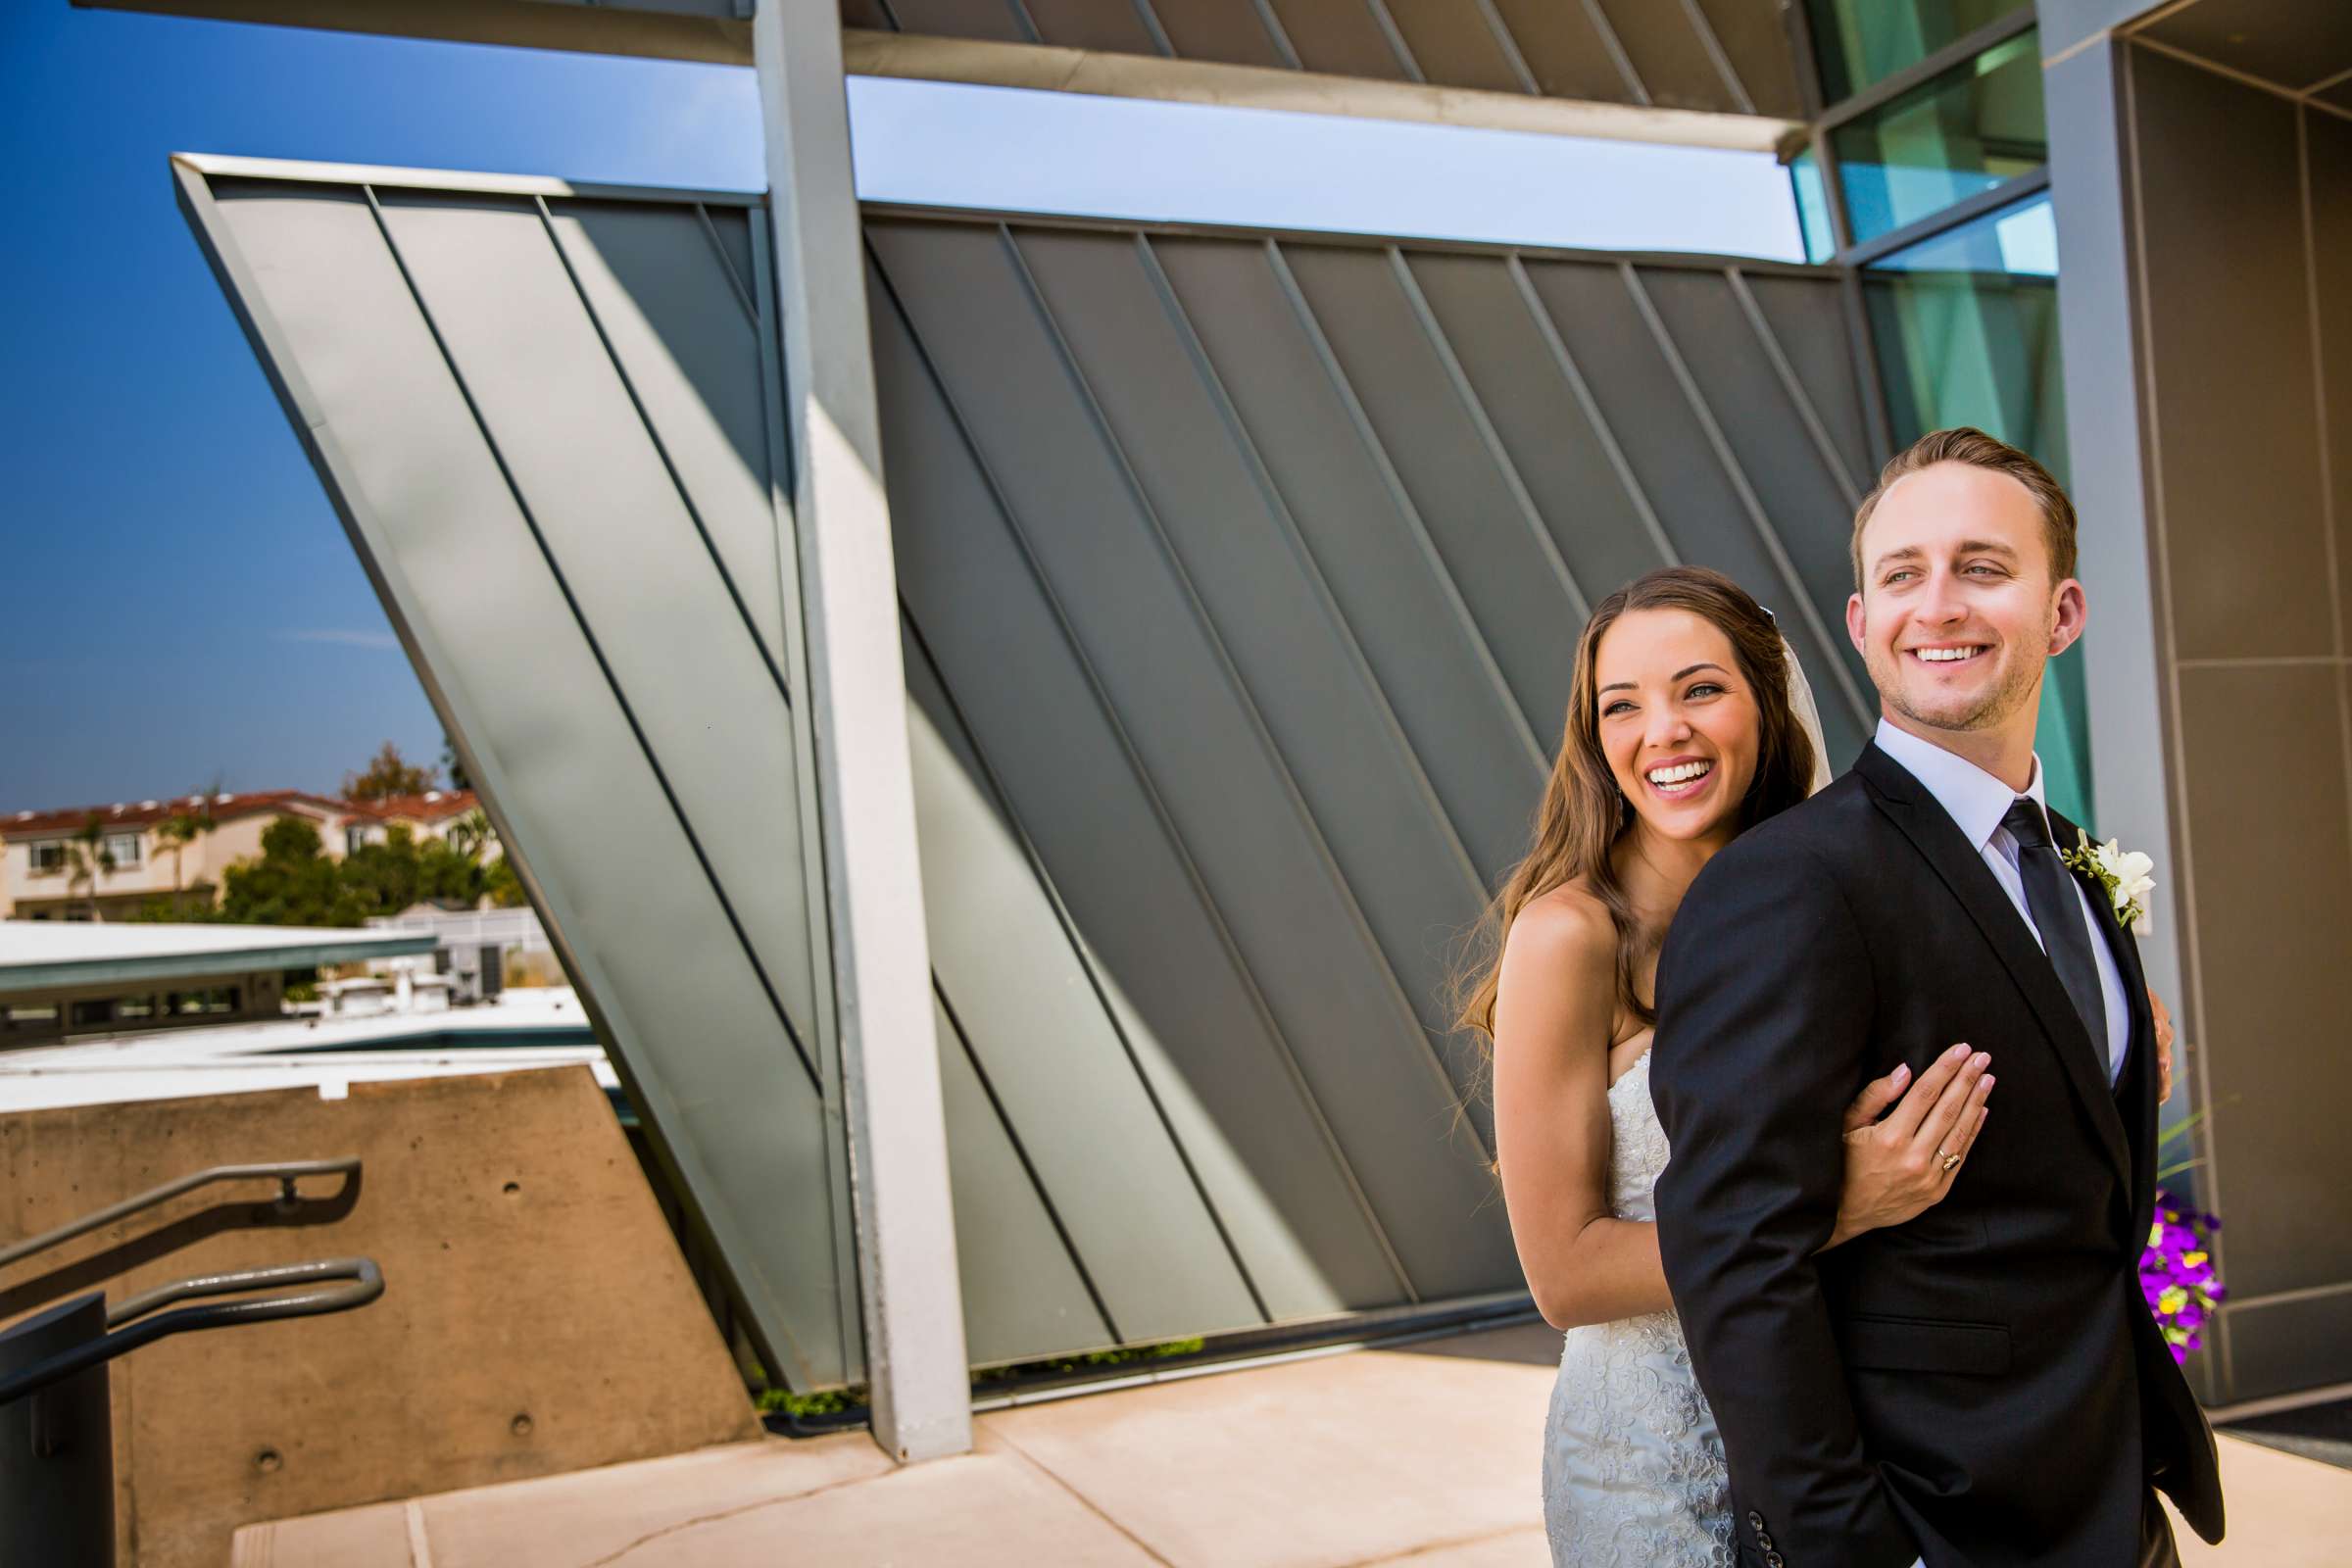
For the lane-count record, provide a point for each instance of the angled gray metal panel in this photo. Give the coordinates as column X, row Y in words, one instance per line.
column 1453, row 44
column 1231, row 32
column 1166, row 963
column 1670, row 53
column 1339, row 38
column 471, row 545
column 1766, row 430
column 1540, row 407
column 1072, row 499
column 1497, row 551
column 999, row 20
column 1432, row 661
column 1094, row 24
column 1809, row 324
column 1568, row 50
column 1755, row 43
column 1389, row 837
column 1029, row 1009
column 1668, row 448
column 1024, row 1297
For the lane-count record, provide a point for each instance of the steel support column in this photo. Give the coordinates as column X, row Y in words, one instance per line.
column 908, row 1284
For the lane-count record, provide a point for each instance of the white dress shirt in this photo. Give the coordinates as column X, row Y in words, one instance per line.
column 1976, row 800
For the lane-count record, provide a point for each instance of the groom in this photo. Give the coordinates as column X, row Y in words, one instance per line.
column 1983, row 1385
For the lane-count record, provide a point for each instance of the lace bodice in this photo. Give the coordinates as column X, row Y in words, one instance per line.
column 1636, row 1145
column 1634, row 1472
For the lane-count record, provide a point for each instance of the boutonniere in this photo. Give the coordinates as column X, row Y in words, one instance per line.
column 2123, row 872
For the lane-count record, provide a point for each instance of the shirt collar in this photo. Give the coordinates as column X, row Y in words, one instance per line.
column 1971, row 796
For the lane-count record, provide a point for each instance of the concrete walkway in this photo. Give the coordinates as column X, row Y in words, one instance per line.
column 1427, row 1454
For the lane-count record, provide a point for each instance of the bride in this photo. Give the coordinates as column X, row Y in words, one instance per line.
column 1689, row 722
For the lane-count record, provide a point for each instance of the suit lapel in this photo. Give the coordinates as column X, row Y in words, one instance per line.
column 2135, row 1099
column 1906, row 802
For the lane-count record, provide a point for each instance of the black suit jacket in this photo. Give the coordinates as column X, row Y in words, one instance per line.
column 1983, row 1385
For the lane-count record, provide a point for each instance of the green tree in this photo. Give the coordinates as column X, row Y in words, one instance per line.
column 388, row 773
column 175, row 833
column 503, row 885
column 454, row 766
column 293, row 883
column 89, row 857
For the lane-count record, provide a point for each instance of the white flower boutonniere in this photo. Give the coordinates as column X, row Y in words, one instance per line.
column 2123, row 872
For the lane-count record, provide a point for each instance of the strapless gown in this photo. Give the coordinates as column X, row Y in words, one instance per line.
column 1634, row 1472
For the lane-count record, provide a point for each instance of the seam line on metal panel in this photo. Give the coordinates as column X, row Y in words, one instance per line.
column 1396, row 44
column 1716, row 54
column 1489, row 437
column 718, row 249
column 1509, row 46
column 768, row 325
column 2324, row 84
column 2327, row 517
column 595, row 649
column 1565, row 362
column 677, row 481
column 1862, row 360
column 1797, row 396
column 1020, row 1151
column 889, row 14
column 1277, row 507
column 1406, row 512
column 1616, row 48
column 1149, row 16
column 1236, row 684
column 2151, row 471
column 1024, row 21
column 1806, row 609
column 1210, row 909
column 1279, row 34
column 1001, row 798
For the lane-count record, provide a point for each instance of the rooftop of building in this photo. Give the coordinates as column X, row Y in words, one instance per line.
column 432, row 806
column 36, row 955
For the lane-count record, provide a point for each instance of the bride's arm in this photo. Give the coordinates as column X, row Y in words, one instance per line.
column 1554, row 1003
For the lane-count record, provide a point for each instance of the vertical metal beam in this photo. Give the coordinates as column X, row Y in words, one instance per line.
column 908, row 1286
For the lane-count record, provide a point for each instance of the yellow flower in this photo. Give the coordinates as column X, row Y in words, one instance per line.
column 2172, row 1300
column 2192, row 1260
column 2156, row 1235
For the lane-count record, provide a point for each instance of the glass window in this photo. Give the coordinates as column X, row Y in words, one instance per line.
column 1965, row 131
column 48, row 858
column 91, row 1014
column 1864, row 41
column 1966, row 329
column 1812, row 207
column 124, row 847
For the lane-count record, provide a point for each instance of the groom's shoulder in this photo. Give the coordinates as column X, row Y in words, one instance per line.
column 1826, row 835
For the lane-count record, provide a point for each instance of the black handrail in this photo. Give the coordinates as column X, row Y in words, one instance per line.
column 285, row 1174
column 368, row 1283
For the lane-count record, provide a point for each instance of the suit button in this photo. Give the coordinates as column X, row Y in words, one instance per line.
column 1755, row 1521
column 1772, row 1559
column 1763, row 1541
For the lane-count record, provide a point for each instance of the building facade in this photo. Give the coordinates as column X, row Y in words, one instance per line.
column 1231, row 580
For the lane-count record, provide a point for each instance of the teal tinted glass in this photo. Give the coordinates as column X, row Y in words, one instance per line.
column 1812, row 206
column 1966, row 329
column 1967, row 130
column 1863, row 41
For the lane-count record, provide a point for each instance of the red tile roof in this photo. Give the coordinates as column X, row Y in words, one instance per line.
column 145, row 813
column 432, row 806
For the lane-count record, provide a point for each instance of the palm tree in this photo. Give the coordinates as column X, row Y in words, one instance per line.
column 89, row 857
column 175, row 833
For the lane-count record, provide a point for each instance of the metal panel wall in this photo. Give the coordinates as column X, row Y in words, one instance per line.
column 1241, row 575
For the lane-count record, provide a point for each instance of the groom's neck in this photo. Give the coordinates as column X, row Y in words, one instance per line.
column 2006, row 752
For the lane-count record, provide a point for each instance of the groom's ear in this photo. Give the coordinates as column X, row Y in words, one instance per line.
column 1856, row 624
column 2072, row 614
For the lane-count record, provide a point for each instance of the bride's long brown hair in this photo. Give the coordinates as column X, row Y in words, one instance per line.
column 1583, row 813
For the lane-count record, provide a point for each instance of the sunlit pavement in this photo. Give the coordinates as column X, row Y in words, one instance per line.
column 1428, row 1454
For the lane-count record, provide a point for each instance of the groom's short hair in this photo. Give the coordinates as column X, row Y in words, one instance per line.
column 1965, row 444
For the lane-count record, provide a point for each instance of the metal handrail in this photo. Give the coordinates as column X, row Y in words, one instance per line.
column 285, row 1173
column 368, row 1283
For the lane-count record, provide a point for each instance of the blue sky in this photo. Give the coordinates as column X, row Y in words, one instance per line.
column 182, row 604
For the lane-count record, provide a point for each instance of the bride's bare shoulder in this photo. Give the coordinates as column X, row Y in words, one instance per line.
column 1567, row 928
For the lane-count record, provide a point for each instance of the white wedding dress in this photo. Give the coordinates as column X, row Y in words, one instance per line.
column 1634, row 1472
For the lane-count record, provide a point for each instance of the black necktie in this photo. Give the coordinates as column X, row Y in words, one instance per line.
column 2058, row 917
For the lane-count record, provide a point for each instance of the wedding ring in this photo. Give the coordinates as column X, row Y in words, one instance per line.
column 1951, row 1162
